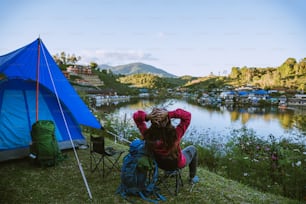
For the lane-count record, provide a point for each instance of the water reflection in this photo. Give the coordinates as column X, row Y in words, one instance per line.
column 215, row 124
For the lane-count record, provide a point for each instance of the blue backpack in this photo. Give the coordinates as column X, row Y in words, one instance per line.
column 139, row 174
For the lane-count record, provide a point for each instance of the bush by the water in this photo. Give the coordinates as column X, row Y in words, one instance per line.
column 277, row 167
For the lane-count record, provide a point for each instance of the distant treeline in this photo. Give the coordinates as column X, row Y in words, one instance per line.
column 291, row 75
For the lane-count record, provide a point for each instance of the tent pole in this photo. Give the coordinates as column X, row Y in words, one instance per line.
column 68, row 131
column 37, row 78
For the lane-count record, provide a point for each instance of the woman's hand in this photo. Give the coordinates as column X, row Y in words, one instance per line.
column 162, row 114
column 157, row 116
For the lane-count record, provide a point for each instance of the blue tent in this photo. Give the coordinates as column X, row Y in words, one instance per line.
column 243, row 93
column 261, row 92
column 33, row 88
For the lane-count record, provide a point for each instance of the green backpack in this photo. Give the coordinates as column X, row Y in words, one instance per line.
column 44, row 148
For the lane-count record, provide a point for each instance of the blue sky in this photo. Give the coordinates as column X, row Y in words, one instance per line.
column 182, row 37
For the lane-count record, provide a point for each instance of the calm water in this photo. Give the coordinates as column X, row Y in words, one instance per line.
column 216, row 125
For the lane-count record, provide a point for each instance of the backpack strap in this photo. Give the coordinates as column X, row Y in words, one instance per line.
column 148, row 199
column 124, row 194
column 159, row 196
column 151, row 187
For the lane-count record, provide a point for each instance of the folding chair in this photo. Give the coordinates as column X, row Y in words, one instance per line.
column 171, row 178
column 166, row 179
column 108, row 156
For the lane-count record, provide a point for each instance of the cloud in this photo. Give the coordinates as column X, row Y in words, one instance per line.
column 115, row 57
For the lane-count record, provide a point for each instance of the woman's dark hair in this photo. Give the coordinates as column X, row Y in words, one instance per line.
column 167, row 135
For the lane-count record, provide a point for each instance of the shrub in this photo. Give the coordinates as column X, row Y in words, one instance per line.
column 277, row 167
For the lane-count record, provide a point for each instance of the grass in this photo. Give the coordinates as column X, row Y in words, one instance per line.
column 22, row 182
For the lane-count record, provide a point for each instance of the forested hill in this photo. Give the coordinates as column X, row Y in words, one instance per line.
column 290, row 75
column 138, row 68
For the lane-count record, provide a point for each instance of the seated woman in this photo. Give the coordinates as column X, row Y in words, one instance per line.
column 163, row 139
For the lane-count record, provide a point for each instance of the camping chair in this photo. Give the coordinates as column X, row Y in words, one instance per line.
column 100, row 154
column 167, row 178
column 167, row 181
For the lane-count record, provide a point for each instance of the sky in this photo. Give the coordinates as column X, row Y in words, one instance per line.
column 182, row 37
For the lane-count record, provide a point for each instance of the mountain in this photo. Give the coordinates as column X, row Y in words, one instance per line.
column 137, row 68
column 104, row 66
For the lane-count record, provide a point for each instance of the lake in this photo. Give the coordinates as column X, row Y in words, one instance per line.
column 215, row 125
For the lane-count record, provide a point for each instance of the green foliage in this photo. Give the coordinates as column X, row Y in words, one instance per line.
column 111, row 82
column 207, row 83
column 210, row 156
column 235, row 73
column 277, row 167
column 122, row 126
column 272, row 166
column 63, row 60
column 187, row 78
column 141, row 80
column 93, row 65
column 74, row 78
column 151, row 81
column 291, row 74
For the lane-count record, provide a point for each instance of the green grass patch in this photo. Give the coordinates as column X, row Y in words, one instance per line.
column 22, row 182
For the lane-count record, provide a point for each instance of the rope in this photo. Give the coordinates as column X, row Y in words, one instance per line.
column 66, row 125
column 116, row 136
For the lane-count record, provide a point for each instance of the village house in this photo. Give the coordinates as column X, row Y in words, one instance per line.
column 297, row 100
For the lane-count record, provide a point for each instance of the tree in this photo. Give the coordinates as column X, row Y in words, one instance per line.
column 287, row 68
column 246, row 75
column 58, row 61
column 63, row 59
column 73, row 59
column 302, row 88
column 93, row 65
column 235, row 73
column 300, row 68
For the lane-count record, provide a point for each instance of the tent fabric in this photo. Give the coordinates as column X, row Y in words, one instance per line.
column 18, row 101
column 243, row 93
column 22, row 63
column 260, row 92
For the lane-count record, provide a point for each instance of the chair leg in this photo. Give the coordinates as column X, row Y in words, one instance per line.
column 176, row 184
column 103, row 167
column 109, row 162
column 114, row 164
column 178, row 181
column 95, row 166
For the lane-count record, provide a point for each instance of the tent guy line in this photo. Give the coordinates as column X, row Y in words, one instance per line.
column 65, row 122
